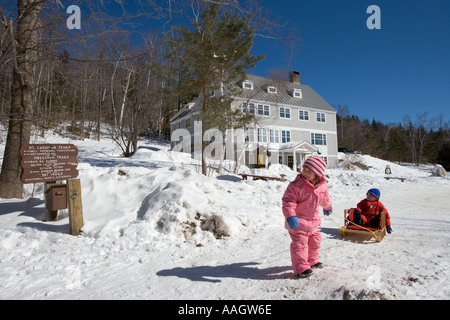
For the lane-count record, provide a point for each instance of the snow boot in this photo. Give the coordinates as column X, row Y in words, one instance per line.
column 357, row 218
column 375, row 222
column 305, row 274
column 318, row 265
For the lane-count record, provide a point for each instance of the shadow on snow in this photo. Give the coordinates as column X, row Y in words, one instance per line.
column 243, row 270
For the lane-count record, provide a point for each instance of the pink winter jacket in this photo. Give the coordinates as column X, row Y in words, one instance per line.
column 302, row 199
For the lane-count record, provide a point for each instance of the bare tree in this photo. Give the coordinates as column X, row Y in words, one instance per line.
column 422, row 134
column 385, row 137
column 51, row 74
column 342, row 113
column 417, row 136
column 23, row 42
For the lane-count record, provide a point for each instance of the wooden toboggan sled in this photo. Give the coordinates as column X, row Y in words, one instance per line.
column 352, row 228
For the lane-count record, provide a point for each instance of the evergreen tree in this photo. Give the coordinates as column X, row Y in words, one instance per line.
column 444, row 156
column 212, row 58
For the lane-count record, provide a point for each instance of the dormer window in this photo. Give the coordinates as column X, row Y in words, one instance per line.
column 297, row 93
column 247, row 84
column 272, row 89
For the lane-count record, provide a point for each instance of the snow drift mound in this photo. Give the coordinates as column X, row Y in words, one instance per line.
column 182, row 208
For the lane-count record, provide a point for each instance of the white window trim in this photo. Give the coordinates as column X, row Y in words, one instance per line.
column 247, row 107
column 299, row 91
column 261, row 135
column 284, row 136
column 322, row 119
column 269, row 88
column 263, row 109
column 247, row 82
column 274, row 136
column 290, row 113
column 303, row 114
column 324, row 139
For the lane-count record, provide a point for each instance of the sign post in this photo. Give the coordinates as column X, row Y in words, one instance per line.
column 75, row 206
column 49, row 163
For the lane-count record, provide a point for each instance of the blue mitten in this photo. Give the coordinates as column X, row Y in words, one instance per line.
column 293, row 222
column 327, row 212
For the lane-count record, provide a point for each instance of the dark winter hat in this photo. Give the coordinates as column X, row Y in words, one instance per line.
column 316, row 164
column 374, row 192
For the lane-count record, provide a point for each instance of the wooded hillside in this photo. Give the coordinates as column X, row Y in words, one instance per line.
column 420, row 140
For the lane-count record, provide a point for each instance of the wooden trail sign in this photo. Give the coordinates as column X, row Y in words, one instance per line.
column 48, row 162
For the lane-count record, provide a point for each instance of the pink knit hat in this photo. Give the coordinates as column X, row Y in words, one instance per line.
column 316, row 164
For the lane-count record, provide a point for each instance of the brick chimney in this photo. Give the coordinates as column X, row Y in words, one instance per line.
column 294, row 77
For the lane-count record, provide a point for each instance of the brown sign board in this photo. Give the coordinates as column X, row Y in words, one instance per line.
column 48, row 162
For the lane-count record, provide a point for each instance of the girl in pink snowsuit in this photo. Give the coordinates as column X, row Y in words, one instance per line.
column 301, row 203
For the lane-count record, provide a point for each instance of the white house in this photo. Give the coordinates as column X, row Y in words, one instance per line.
column 292, row 122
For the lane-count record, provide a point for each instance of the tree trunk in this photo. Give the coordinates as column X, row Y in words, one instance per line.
column 21, row 112
column 127, row 85
column 204, row 165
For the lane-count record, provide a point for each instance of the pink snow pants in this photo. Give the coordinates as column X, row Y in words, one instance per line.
column 305, row 247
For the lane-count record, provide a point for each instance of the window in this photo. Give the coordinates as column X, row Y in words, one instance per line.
column 303, row 115
column 247, row 84
column 285, row 136
column 274, row 136
column 263, row 110
column 250, row 135
column 285, row 113
column 188, row 123
column 272, row 89
column 320, row 117
column 248, row 108
column 297, row 93
column 262, row 135
column 290, row 162
column 319, row 139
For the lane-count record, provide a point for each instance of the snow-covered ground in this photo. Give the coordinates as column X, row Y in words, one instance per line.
column 155, row 228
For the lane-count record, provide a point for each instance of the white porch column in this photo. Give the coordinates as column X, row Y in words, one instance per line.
column 302, row 158
column 294, row 165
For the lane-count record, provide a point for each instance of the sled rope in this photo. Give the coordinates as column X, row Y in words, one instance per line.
column 373, row 233
column 339, row 226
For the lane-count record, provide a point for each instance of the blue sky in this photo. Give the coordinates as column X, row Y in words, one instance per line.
column 401, row 69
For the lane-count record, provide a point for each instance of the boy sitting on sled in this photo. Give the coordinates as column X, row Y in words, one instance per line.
column 367, row 212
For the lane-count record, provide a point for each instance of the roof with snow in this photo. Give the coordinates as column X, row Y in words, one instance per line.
column 186, row 110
